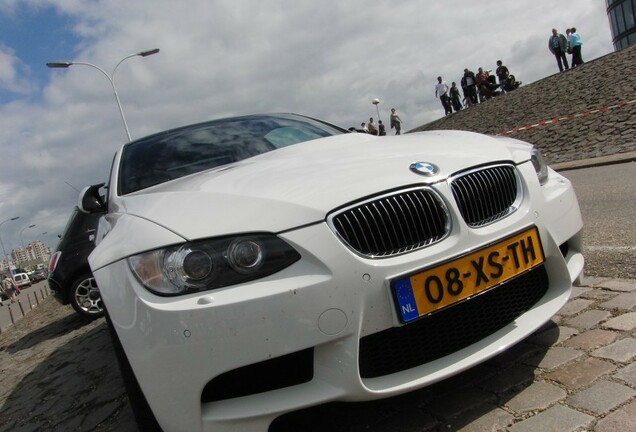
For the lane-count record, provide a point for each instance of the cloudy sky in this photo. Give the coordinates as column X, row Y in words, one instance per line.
column 59, row 128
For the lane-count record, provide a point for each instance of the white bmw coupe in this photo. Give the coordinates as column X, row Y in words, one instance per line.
column 257, row 265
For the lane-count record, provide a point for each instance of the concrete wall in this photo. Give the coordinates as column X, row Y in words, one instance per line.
column 603, row 82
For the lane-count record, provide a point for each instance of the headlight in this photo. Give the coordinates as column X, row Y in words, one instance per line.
column 209, row 264
column 539, row 165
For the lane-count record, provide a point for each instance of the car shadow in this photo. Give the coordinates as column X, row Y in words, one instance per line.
column 58, row 328
column 78, row 387
column 449, row 405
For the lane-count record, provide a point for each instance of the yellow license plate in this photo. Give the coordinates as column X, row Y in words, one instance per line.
column 464, row 277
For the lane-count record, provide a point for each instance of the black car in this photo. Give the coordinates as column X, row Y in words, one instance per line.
column 70, row 277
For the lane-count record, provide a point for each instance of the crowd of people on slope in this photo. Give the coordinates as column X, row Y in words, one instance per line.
column 479, row 87
column 482, row 86
column 560, row 45
column 476, row 88
column 379, row 129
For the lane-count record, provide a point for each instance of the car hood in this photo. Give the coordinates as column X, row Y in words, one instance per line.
column 301, row 184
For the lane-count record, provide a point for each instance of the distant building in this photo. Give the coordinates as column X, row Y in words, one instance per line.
column 621, row 15
column 35, row 253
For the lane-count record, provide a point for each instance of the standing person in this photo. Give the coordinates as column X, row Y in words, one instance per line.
column 396, row 121
column 9, row 287
column 575, row 45
column 371, row 127
column 441, row 91
column 502, row 73
column 381, row 128
column 486, row 88
column 469, row 85
column 455, row 97
column 363, row 127
column 558, row 45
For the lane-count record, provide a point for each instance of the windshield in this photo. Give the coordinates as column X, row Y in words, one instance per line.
column 179, row 152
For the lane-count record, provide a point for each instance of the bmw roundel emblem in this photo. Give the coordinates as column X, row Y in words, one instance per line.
column 424, row 168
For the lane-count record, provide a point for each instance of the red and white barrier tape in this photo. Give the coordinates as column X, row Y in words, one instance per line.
column 569, row 117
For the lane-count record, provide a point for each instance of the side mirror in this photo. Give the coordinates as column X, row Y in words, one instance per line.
column 90, row 201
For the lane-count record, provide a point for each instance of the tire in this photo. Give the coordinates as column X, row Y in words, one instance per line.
column 144, row 417
column 85, row 297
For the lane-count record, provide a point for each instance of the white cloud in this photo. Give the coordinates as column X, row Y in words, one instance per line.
column 13, row 73
column 220, row 58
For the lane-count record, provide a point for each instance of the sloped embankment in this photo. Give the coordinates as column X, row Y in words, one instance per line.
column 603, row 82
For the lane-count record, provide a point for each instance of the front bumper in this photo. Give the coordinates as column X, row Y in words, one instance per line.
column 302, row 337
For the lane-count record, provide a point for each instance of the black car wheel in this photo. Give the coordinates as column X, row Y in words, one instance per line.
column 85, row 297
column 144, row 417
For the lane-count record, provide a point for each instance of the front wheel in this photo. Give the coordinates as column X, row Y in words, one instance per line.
column 85, row 297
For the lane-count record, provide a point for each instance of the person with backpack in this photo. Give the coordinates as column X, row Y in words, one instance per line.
column 9, row 288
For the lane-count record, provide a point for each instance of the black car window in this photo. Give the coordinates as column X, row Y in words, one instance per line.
column 187, row 150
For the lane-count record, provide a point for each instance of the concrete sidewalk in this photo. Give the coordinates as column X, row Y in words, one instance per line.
column 28, row 300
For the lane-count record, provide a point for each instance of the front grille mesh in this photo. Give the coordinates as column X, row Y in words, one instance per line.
column 393, row 224
column 487, row 195
column 400, row 348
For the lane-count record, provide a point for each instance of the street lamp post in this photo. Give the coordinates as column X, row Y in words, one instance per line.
column 111, row 78
column 376, row 102
column 4, row 252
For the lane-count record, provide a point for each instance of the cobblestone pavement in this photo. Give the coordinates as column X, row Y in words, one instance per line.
column 58, row 373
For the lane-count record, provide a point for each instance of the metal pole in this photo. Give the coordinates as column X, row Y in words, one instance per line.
column 111, row 78
column 4, row 252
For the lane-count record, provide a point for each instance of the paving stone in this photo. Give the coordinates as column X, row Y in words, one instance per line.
column 627, row 374
column 581, row 373
column 553, row 358
column 621, row 420
column 578, row 291
column 575, row 306
column 591, row 281
column 618, row 285
column 508, row 379
column 624, row 322
column 538, row 396
column 624, row 301
column 556, row 418
column 622, row 351
column 460, row 402
column 516, row 353
column 588, row 319
column 599, row 294
column 412, row 420
column 553, row 335
column 489, row 418
column 601, row 397
column 591, row 339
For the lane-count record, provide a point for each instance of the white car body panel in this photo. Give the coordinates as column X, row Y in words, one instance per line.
column 327, row 300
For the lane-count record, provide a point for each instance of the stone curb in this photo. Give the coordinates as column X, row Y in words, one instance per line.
column 594, row 162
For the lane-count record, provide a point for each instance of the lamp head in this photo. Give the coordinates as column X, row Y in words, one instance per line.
column 59, row 64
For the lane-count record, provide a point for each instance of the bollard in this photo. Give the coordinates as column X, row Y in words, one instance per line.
column 35, row 294
column 30, row 304
column 11, row 314
column 21, row 308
